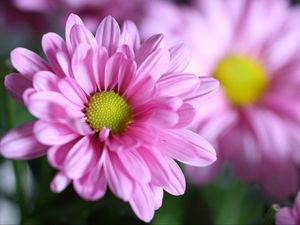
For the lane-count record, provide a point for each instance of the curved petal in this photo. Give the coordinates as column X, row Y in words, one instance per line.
column 71, row 21
column 130, row 35
column 53, row 43
column 81, row 158
column 59, row 182
column 27, row 62
column 135, row 165
column 16, row 84
column 81, row 35
column 180, row 58
column 119, row 181
column 187, row 147
column 108, row 34
column 50, row 133
column 82, row 68
column 21, row 143
column 284, row 217
column 72, row 91
column 142, row 202
column 93, row 185
column 45, row 81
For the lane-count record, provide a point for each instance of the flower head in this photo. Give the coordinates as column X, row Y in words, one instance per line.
column 111, row 112
column 254, row 120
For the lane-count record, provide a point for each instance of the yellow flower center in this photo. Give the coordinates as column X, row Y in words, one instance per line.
column 108, row 109
column 243, row 79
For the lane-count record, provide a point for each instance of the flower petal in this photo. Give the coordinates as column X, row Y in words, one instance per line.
column 81, row 158
column 27, row 62
column 108, row 34
column 135, row 165
column 50, row 133
column 45, row 81
column 187, row 147
column 93, row 185
column 72, row 91
column 16, row 85
column 21, row 143
column 142, row 202
column 59, row 183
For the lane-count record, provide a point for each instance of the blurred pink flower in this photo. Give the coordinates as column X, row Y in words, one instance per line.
column 110, row 112
column 252, row 47
column 91, row 11
column 287, row 216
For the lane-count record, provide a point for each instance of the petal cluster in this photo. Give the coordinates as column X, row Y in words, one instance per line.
column 137, row 164
column 289, row 216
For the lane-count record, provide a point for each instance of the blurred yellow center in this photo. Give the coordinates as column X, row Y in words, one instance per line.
column 243, row 79
column 108, row 109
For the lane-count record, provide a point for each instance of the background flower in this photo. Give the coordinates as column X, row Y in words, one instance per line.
column 254, row 119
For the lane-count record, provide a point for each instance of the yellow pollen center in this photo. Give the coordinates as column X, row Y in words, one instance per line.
column 108, row 109
column 243, row 79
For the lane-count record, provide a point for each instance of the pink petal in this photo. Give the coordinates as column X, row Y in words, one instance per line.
column 93, row 185
column 79, row 126
column 57, row 154
column 16, row 85
column 52, row 106
column 119, row 181
column 53, row 43
column 27, row 62
column 59, row 183
column 159, row 167
column 186, row 115
column 50, row 133
column 284, row 217
column 187, row 147
column 158, row 194
column 72, row 91
column 135, row 165
column 126, row 74
column 81, row 35
column 45, row 81
column 21, row 144
column 155, row 65
column 100, row 57
column 127, row 51
column 108, row 34
column 104, row 134
column 82, row 68
column 142, row 202
column 180, row 58
column 112, row 70
column 71, row 21
column 149, row 46
column 130, row 35
column 81, row 158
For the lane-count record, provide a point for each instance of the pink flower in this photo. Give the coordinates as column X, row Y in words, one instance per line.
column 287, row 216
column 90, row 10
column 111, row 112
column 252, row 47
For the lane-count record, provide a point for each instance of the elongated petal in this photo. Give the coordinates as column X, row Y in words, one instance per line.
column 53, row 43
column 108, row 34
column 81, row 35
column 45, row 81
column 50, row 133
column 142, row 202
column 27, row 62
column 71, row 21
column 72, row 91
column 21, row 143
column 180, row 58
column 81, row 158
column 93, row 185
column 160, row 170
column 59, row 182
column 155, row 65
column 16, row 84
column 57, row 154
column 130, row 35
column 135, row 165
column 82, row 68
column 119, row 182
column 187, row 147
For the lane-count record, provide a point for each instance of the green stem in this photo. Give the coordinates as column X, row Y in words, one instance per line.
column 270, row 215
column 18, row 166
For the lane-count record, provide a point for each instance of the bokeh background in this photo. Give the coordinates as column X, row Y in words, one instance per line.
column 27, row 199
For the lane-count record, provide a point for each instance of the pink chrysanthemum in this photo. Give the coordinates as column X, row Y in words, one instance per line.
column 287, row 216
column 252, row 47
column 110, row 112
